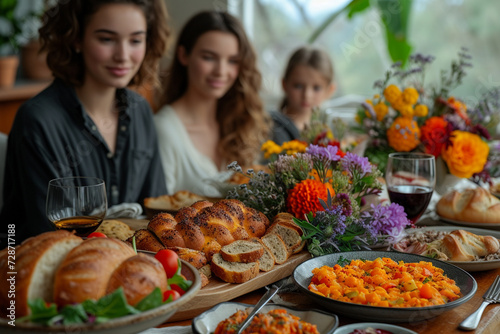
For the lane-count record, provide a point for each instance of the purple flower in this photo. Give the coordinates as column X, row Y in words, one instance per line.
column 344, row 202
column 390, row 220
column 319, row 152
column 354, row 163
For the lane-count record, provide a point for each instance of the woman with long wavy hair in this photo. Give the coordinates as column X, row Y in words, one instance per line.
column 212, row 114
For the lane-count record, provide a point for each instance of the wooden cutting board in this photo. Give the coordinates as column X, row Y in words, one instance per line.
column 218, row 291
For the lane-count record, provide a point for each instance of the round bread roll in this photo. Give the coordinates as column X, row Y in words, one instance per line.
column 470, row 205
column 86, row 270
column 138, row 275
column 36, row 261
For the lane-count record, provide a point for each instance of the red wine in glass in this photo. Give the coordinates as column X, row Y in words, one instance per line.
column 410, row 179
column 413, row 198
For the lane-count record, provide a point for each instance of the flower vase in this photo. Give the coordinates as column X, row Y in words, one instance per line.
column 445, row 181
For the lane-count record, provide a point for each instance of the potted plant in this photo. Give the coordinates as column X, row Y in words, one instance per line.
column 19, row 23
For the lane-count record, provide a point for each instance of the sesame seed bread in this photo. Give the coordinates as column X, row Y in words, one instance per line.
column 277, row 246
column 37, row 259
column 233, row 272
column 242, row 251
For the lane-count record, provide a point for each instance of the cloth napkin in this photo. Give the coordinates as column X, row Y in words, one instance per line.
column 169, row 330
column 124, row 210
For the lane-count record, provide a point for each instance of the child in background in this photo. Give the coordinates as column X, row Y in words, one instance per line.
column 307, row 82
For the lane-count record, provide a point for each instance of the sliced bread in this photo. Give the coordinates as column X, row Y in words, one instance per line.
column 277, row 246
column 233, row 272
column 288, row 233
column 267, row 260
column 242, row 251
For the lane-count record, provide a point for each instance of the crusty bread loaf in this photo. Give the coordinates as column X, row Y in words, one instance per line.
column 242, row 251
column 470, row 205
column 173, row 202
column 465, row 246
column 36, row 261
column 233, row 272
column 288, row 231
column 87, row 268
column 138, row 275
column 115, row 229
column 277, row 247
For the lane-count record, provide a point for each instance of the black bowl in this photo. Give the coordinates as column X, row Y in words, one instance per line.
column 303, row 273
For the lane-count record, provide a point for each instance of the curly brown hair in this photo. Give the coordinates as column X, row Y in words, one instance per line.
column 243, row 123
column 64, row 24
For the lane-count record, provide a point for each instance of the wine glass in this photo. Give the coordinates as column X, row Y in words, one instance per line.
column 410, row 179
column 77, row 204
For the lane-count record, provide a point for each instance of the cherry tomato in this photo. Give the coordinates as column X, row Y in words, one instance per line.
column 175, row 295
column 177, row 288
column 168, row 258
column 97, row 235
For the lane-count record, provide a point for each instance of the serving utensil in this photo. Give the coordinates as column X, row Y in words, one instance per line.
column 264, row 300
column 491, row 296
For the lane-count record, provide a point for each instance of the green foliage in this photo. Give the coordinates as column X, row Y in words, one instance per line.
column 394, row 15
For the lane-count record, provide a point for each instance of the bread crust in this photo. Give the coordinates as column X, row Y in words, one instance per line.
column 233, row 272
column 465, row 246
column 86, row 270
column 471, row 205
column 28, row 256
column 146, row 240
column 138, row 275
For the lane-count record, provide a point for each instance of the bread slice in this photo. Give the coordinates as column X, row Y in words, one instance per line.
column 233, row 272
column 242, row 251
column 277, row 246
column 267, row 260
column 288, row 233
column 37, row 260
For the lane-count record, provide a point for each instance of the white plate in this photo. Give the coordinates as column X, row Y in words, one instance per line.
column 347, row 329
column 466, row 265
column 470, row 224
column 207, row 322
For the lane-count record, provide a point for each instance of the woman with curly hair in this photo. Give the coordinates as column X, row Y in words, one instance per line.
column 87, row 123
column 212, row 113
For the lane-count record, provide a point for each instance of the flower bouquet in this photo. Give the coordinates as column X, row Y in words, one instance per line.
column 407, row 116
column 324, row 188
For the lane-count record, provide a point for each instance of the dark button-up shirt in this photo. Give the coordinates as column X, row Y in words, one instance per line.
column 52, row 136
column 283, row 128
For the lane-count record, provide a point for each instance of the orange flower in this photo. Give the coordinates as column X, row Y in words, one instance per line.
column 466, row 155
column 303, row 198
column 403, row 135
column 434, row 135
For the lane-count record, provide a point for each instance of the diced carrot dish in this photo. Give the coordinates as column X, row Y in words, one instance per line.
column 277, row 321
column 384, row 282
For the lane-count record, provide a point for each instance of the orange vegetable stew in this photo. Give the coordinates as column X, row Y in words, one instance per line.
column 277, row 321
column 385, row 283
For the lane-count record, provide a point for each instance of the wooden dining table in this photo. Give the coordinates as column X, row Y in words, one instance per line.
column 447, row 322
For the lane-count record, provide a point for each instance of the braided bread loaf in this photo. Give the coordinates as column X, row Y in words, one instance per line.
column 207, row 227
